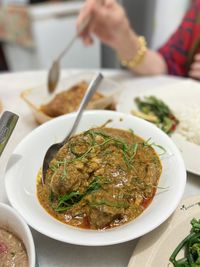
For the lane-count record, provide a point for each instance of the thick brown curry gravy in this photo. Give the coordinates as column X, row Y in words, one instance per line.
column 100, row 179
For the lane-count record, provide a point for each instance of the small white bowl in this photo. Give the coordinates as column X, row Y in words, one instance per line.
column 13, row 222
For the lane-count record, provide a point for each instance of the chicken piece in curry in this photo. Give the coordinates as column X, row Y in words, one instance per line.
column 101, row 178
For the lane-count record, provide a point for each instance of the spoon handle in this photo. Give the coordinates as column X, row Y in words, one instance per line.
column 83, row 26
column 7, row 124
column 89, row 93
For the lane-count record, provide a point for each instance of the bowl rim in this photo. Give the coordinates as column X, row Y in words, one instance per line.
column 120, row 240
column 32, row 257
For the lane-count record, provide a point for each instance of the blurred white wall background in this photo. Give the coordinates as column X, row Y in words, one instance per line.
column 155, row 19
column 8, row 2
column 50, row 27
column 168, row 15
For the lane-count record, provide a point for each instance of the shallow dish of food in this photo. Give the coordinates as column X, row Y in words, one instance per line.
column 16, row 241
column 175, row 109
column 117, row 179
column 68, row 95
column 174, row 243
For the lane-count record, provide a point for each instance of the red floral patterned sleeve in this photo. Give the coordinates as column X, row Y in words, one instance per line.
column 180, row 49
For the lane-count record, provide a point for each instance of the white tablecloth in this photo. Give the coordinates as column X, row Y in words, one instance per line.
column 51, row 252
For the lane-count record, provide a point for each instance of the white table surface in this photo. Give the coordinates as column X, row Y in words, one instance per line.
column 51, row 252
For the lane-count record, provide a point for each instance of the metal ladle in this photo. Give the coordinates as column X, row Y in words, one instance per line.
column 53, row 149
column 54, row 72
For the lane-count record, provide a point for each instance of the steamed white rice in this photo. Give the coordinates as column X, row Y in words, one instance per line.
column 189, row 126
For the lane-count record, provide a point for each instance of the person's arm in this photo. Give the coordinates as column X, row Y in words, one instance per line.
column 194, row 71
column 109, row 22
column 180, row 50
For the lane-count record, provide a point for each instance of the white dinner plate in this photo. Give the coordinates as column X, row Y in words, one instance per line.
column 155, row 248
column 177, row 96
column 26, row 160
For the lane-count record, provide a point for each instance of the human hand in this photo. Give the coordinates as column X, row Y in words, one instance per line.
column 109, row 23
column 194, row 71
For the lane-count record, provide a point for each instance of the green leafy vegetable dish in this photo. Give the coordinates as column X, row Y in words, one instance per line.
column 191, row 246
column 156, row 111
column 101, row 178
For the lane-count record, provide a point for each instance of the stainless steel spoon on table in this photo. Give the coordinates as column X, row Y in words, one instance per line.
column 54, row 72
column 8, row 122
column 53, row 149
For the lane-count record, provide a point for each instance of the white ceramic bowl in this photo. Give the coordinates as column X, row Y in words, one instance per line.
column 27, row 159
column 14, row 223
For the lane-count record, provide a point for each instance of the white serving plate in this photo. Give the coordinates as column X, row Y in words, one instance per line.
column 177, row 96
column 26, row 160
column 154, row 249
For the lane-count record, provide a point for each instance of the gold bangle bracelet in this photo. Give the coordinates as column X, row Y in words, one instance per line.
column 138, row 58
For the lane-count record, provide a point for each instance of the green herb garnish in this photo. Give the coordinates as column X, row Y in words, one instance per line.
column 151, row 144
column 51, row 196
column 68, row 200
column 157, row 112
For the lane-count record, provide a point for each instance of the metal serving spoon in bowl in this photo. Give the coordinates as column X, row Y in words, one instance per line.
column 53, row 149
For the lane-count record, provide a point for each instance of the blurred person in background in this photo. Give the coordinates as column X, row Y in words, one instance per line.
column 180, row 55
column 3, row 62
